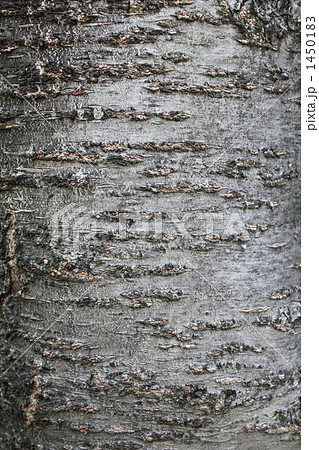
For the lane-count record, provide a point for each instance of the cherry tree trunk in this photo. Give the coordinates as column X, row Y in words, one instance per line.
column 150, row 219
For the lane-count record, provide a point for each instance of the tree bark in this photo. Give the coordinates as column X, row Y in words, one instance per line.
column 150, row 217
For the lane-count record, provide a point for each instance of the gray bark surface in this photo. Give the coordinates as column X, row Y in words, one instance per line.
column 150, row 218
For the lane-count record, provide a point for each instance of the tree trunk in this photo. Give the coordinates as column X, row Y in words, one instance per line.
column 150, row 217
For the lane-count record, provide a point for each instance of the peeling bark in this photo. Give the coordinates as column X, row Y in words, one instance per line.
column 150, row 224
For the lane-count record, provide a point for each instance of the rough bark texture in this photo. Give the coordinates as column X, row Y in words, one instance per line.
column 150, row 216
